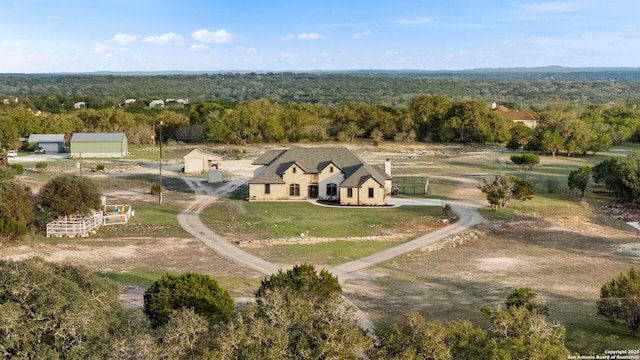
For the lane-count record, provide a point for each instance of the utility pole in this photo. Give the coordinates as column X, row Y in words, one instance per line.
column 160, row 144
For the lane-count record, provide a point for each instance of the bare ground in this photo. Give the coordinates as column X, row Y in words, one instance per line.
column 563, row 257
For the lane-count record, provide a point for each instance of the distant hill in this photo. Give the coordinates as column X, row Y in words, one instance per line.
column 532, row 86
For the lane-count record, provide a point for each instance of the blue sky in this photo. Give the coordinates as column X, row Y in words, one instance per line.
column 263, row 35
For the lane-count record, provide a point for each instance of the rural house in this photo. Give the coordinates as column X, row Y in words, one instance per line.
column 333, row 174
column 51, row 143
column 198, row 161
column 99, row 145
column 519, row 117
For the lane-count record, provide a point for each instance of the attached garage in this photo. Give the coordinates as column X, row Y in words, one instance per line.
column 51, row 143
column 99, row 145
column 198, row 161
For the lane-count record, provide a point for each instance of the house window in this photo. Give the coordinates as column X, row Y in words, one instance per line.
column 331, row 169
column 332, row 189
column 267, row 188
column 370, row 192
column 294, row 170
column 349, row 192
column 294, row 190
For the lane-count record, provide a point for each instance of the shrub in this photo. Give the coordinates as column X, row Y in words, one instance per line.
column 19, row 169
column 100, row 167
column 155, row 189
column 199, row 292
column 41, row 165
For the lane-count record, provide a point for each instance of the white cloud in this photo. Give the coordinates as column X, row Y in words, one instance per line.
column 303, row 36
column 288, row 56
column 108, row 52
column 418, row 21
column 12, row 44
column 310, row 36
column 125, row 39
column 197, row 47
column 391, row 53
column 217, row 37
column 246, row 49
column 164, row 39
column 362, row 34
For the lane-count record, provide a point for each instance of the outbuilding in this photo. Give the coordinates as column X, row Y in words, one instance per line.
column 51, row 143
column 198, row 161
column 99, row 145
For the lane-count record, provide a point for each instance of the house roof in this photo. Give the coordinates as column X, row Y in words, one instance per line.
column 97, row 137
column 46, row 138
column 313, row 161
column 514, row 114
column 203, row 154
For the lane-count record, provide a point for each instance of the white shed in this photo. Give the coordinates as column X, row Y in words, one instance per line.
column 198, row 161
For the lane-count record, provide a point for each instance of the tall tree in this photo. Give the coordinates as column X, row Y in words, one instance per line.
column 500, row 190
column 52, row 311
column 620, row 300
column 579, row 179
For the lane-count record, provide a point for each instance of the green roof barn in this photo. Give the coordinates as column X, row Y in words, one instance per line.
column 99, row 145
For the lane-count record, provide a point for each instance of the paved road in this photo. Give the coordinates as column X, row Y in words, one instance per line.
column 468, row 215
column 189, row 219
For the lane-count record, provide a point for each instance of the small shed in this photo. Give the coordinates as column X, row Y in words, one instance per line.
column 51, row 143
column 198, row 161
column 99, row 145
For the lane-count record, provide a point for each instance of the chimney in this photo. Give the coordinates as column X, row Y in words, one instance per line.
column 387, row 167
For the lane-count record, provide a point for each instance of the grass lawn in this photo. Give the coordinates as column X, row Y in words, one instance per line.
column 277, row 220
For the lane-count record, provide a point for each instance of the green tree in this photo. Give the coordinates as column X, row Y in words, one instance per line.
column 579, row 179
column 16, row 210
column 300, row 314
column 620, row 301
column 68, row 195
column 520, row 136
column 500, row 190
column 520, row 333
column 190, row 290
column 526, row 297
column 527, row 160
column 52, row 311
column 302, row 280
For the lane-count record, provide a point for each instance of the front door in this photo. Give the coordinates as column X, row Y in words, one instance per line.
column 313, row 191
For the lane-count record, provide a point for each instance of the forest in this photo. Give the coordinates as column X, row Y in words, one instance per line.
column 533, row 87
column 567, row 128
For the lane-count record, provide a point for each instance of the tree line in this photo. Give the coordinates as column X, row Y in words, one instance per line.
column 567, row 128
column 60, row 311
column 389, row 89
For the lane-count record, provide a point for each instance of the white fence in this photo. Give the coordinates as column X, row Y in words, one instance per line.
column 82, row 226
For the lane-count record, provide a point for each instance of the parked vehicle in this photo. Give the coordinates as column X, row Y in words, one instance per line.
column 12, row 153
column 39, row 150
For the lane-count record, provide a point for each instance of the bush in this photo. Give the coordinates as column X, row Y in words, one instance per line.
column 19, row 169
column 100, row 167
column 41, row 165
column 195, row 291
column 155, row 189
column 69, row 195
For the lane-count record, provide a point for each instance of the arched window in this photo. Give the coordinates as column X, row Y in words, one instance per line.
column 332, row 189
column 294, row 190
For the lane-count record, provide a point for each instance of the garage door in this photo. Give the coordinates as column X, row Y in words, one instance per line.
column 194, row 165
column 49, row 147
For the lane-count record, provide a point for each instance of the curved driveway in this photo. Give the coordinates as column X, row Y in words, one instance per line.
column 189, row 219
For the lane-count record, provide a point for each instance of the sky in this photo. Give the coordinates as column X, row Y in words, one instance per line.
column 41, row 36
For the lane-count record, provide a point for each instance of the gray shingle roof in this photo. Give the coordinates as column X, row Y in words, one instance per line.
column 97, row 137
column 313, row 161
